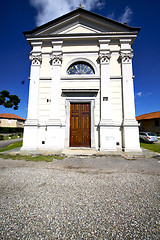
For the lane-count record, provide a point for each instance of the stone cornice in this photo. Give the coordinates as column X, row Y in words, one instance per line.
column 105, row 36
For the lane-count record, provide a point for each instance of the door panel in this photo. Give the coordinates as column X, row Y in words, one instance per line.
column 80, row 125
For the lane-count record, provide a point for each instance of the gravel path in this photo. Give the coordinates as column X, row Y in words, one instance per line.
column 80, row 198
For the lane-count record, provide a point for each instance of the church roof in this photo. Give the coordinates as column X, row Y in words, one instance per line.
column 82, row 13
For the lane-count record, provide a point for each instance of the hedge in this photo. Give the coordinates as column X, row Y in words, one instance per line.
column 11, row 130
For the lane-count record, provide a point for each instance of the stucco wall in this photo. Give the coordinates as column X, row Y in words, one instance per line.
column 85, row 52
column 44, row 99
column 76, row 52
column 116, row 99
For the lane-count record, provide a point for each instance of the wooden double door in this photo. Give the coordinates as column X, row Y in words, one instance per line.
column 80, row 119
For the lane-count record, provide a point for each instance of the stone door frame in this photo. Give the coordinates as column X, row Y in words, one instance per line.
column 92, row 129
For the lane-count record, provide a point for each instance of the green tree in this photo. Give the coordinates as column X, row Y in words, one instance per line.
column 8, row 100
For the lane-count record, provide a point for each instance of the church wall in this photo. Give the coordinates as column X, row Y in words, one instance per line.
column 44, row 99
column 116, row 99
column 80, row 84
column 69, row 53
column 108, row 133
column 89, row 52
column 46, row 69
column 114, row 46
column 80, row 30
column 115, row 66
column 80, row 46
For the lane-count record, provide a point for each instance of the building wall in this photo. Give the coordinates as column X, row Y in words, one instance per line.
column 75, row 52
column 10, row 123
column 149, row 126
column 44, row 99
column 112, row 130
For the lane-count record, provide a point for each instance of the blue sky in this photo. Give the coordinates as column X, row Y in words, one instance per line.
column 18, row 16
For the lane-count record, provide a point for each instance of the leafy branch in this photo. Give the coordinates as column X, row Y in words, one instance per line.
column 8, row 100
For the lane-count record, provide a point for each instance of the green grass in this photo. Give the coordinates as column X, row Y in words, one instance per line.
column 151, row 146
column 34, row 158
column 11, row 146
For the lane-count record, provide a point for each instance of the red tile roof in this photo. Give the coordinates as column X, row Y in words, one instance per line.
column 148, row 116
column 11, row 116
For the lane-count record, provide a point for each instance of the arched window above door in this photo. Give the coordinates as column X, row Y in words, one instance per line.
column 80, row 68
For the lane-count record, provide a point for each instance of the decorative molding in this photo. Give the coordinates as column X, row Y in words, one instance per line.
column 126, row 57
column 80, row 78
column 80, row 90
column 130, row 123
column 45, row 79
column 116, row 78
column 112, row 35
column 104, row 58
column 109, row 123
column 56, row 59
column 36, row 59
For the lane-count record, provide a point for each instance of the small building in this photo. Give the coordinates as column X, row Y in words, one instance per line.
column 11, row 120
column 150, row 122
column 81, row 85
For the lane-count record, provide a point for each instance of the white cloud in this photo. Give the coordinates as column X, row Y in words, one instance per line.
column 111, row 15
column 51, row 9
column 142, row 94
column 139, row 94
column 126, row 16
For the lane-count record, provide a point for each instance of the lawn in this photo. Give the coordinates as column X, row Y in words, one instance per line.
column 151, row 146
column 12, row 146
column 35, row 158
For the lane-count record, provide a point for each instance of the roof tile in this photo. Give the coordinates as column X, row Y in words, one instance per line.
column 146, row 116
column 11, row 116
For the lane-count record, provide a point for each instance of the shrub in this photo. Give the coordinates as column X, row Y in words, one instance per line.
column 1, row 137
column 11, row 130
column 11, row 135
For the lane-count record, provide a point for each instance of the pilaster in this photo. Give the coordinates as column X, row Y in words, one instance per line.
column 126, row 56
column 56, row 60
column 30, row 139
column 36, row 59
column 130, row 134
column 106, row 126
column 104, row 59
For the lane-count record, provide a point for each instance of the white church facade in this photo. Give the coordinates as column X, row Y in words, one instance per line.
column 81, row 85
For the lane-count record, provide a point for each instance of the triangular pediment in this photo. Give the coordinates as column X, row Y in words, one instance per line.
column 79, row 29
column 80, row 21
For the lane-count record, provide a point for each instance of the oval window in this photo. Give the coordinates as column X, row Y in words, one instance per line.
column 80, row 68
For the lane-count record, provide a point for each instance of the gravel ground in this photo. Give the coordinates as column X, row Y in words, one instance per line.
column 80, row 198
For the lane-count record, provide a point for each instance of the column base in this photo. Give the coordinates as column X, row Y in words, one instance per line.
column 130, row 136
column 48, row 135
column 109, row 136
column 30, row 135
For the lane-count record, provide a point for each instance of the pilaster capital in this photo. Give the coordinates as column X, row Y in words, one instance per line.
column 36, row 59
column 126, row 57
column 104, row 58
column 56, row 59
